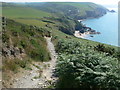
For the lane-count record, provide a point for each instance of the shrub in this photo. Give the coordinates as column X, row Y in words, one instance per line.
column 23, row 44
column 22, row 63
column 102, row 48
column 80, row 66
column 5, row 38
column 87, row 72
column 10, row 65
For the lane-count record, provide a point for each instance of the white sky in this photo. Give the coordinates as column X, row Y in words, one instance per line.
column 103, row 2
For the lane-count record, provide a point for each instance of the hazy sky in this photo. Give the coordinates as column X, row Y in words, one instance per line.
column 103, row 2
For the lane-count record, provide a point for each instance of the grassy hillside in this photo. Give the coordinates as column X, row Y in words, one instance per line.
column 81, row 63
column 74, row 10
column 77, row 10
column 21, row 45
column 65, row 13
column 23, row 12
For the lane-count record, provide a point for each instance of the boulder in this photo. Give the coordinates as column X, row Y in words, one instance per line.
column 11, row 51
column 17, row 51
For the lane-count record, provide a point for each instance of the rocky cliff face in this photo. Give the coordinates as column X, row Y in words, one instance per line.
column 71, row 9
column 98, row 12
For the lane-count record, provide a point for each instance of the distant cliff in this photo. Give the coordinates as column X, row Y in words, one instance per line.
column 63, row 14
column 79, row 10
column 92, row 14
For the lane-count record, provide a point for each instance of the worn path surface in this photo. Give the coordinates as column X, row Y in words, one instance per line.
column 31, row 79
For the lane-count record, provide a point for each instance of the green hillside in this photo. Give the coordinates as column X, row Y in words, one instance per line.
column 81, row 63
column 82, row 66
column 76, row 10
column 33, row 13
column 21, row 45
column 23, row 12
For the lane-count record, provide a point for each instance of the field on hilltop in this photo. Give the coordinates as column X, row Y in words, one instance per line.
column 38, row 10
column 23, row 12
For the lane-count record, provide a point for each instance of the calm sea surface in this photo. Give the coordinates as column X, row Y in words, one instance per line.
column 107, row 25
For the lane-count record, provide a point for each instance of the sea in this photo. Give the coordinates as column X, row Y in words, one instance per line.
column 107, row 25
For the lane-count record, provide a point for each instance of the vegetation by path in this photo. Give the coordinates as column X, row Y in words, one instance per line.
column 37, row 78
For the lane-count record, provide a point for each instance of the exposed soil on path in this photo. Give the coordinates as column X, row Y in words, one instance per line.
column 41, row 75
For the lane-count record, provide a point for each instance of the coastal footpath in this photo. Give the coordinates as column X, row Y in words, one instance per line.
column 35, row 32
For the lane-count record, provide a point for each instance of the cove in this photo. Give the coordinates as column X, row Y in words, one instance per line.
column 107, row 25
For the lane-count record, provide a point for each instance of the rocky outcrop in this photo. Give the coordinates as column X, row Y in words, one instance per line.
column 12, row 52
column 88, row 30
column 112, row 11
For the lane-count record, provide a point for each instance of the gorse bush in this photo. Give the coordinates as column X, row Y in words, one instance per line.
column 80, row 66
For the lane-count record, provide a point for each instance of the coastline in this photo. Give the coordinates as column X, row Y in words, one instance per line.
column 81, row 35
column 97, row 38
column 80, row 20
column 87, row 31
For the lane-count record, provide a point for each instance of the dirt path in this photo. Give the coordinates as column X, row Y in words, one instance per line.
column 48, row 73
column 32, row 79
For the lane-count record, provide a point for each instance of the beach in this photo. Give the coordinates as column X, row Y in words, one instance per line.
column 81, row 35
